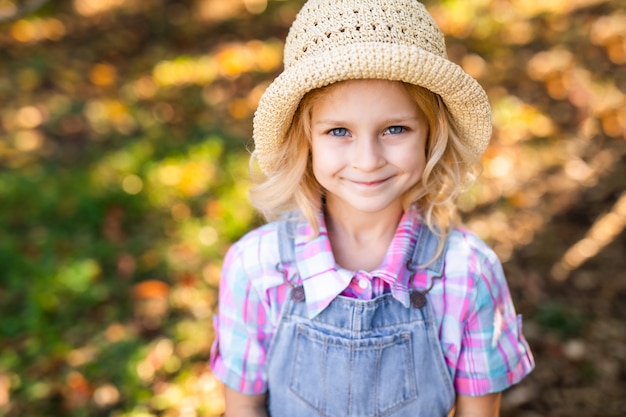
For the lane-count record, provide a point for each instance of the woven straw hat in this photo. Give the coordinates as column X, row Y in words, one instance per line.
column 336, row 40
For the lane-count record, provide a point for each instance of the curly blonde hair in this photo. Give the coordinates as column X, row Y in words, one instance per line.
column 450, row 168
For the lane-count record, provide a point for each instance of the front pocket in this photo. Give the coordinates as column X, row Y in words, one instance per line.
column 340, row 376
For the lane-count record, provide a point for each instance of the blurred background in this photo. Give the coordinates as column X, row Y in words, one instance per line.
column 124, row 133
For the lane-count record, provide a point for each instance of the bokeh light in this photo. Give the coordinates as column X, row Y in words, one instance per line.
column 124, row 138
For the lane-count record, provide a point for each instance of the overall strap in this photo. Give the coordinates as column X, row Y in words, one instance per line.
column 287, row 252
column 425, row 249
column 286, row 233
column 423, row 253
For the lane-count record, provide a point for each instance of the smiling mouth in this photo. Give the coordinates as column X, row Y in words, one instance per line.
column 370, row 183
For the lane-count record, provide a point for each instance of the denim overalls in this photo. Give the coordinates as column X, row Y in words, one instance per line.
column 359, row 358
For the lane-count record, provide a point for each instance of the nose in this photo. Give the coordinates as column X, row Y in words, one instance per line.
column 367, row 154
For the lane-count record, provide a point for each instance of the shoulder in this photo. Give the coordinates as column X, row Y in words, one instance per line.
column 249, row 269
column 472, row 267
column 258, row 247
column 255, row 257
column 258, row 236
column 465, row 245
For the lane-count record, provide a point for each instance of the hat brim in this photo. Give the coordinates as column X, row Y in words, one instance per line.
column 464, row 97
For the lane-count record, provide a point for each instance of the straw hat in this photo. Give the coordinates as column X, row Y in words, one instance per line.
column 336, row 40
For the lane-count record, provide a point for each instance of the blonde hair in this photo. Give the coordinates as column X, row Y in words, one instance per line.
column 450, row 168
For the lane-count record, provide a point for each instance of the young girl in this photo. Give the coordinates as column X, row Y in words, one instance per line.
column 363, row 297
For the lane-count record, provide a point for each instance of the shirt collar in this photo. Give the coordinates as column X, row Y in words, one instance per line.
column 323, row 281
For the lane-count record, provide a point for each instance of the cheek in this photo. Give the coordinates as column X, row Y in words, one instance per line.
column 325, row 156
column 319, row 159
column 412, row 159
column 420, row 164
column 416, row 167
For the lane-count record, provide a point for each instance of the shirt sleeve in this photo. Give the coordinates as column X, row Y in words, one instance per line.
column 494, row 353
column 241, row 329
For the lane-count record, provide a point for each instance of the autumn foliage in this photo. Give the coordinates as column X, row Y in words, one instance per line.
column 124, row 135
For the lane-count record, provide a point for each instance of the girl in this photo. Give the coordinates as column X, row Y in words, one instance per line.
column 363, row 297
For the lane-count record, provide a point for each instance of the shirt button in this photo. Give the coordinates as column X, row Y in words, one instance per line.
column 364, row 283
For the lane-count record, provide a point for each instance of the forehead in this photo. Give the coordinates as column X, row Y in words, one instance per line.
column 365, row 95
column 365, row 84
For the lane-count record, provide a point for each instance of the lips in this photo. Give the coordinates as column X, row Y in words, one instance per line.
column 369, row 183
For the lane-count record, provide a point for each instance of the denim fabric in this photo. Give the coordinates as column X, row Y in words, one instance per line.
column 359, row 358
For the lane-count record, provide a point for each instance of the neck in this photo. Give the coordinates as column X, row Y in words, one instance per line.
column 360, row 240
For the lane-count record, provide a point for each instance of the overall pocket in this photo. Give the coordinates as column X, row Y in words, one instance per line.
column 368, row 376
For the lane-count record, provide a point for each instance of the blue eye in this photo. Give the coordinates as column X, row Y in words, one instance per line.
column 339, row 131
column 395, row 130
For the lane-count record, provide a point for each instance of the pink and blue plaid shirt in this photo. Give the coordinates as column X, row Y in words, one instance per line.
column 479, row 331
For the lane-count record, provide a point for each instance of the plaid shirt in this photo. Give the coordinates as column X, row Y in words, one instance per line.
column 479, row 331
